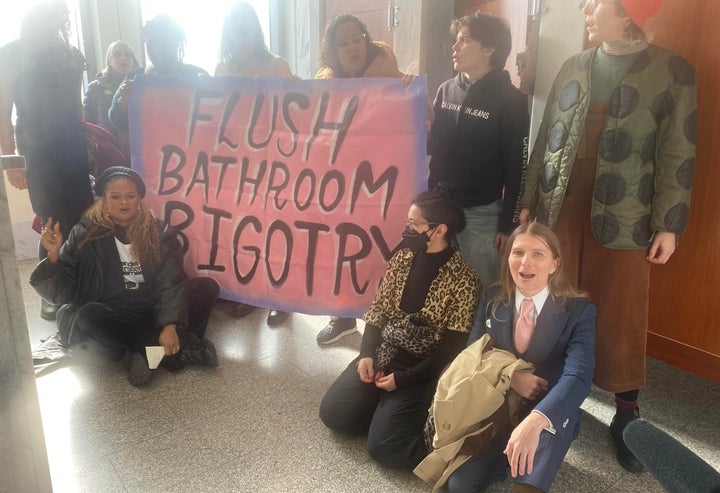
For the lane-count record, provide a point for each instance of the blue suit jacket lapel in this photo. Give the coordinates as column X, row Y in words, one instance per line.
column 548, row 327
column 501, row 329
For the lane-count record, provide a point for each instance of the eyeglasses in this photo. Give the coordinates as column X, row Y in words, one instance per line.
column 358, row 39
column 414, row 224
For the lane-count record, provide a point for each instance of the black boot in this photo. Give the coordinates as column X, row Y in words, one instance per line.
column 624, row 456
column 48, row 311
column 201, row 352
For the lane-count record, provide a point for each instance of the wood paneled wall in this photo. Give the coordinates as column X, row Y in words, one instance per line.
column 685, row 293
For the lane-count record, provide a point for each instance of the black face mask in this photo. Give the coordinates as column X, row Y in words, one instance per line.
column 417, row 242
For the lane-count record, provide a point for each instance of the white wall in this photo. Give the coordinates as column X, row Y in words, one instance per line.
column 562, row 32
column 301, row 26
column 19, row 203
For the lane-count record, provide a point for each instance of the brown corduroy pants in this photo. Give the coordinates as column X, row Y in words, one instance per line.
column 618, row 280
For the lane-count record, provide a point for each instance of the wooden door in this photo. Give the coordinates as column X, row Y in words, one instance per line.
column 374, row 13
column 684, row 326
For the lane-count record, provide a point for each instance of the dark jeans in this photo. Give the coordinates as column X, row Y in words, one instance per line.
column 127, row 322
column 393, row 420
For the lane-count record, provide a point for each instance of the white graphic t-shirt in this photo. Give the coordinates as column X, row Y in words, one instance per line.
column 131, row 268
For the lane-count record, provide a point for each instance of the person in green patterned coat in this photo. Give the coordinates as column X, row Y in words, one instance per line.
column 611, row 173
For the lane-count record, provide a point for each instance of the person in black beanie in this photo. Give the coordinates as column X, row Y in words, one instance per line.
column 120, row 280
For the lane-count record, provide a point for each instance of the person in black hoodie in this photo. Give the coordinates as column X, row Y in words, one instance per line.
column 478, row 141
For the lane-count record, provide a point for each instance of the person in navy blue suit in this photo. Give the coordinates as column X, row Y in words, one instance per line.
column 560, row 345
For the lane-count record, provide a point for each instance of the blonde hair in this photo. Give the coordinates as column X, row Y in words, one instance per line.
column 559, row 286
column 143, row 233
column 109, row 54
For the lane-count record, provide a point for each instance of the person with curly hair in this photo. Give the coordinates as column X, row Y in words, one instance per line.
column 120, row 280
column 418, row 322
column 347, row 51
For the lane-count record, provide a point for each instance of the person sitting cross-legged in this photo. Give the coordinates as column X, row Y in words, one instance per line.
column 120, row 280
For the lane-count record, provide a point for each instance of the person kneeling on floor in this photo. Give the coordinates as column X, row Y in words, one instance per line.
column 120, row 279
column 418, row 322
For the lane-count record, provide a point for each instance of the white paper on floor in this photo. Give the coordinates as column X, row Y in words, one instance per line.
column 154, row 355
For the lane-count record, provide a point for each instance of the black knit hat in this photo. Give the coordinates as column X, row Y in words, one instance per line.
column 116, row 172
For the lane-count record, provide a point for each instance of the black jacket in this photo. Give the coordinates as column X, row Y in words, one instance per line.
column 478, row 141
column 99, row 96
column 94, row 273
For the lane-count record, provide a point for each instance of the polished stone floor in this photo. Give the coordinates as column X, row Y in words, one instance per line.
column 251, row 424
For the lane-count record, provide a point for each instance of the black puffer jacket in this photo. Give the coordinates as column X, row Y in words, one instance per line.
column 94, row 273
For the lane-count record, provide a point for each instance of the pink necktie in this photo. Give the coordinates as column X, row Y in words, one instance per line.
column 525, row 326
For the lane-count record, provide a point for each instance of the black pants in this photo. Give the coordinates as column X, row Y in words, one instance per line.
column 393, row 420
column 127, row 322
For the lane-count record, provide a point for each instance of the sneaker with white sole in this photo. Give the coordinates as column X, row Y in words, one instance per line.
column 336, row 329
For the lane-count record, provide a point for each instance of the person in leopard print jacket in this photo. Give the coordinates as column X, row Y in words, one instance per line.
column 417, row 324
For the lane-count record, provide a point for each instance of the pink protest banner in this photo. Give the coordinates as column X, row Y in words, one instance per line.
column 291, row 195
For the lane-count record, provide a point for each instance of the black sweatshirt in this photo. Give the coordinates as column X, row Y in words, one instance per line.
column 478, row 142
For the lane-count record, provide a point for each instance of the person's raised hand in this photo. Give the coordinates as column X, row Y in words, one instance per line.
column 52, row 239
column 125, row 89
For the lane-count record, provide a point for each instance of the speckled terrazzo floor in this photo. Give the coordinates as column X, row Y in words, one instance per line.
column 251, row 424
